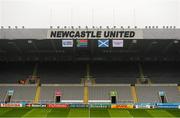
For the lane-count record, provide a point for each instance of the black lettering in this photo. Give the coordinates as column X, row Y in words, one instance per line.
column 98, row 34
column 121, row 33
column 106, row 33
column 112, row 34
column 92, row 34
column 58, row 33
column 126, row 34
column 88, row 33
column 132, row 34
column 71, row 34
column 65, row 34
column 53, row 34
column 83, row 34
column 117, row 34
column 77, row 35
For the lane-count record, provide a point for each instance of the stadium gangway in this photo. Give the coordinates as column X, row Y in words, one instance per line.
column 125, row 101
column 19, row 101
column 63, row 102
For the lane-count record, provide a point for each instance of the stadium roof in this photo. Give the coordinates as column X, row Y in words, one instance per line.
column 159, row 44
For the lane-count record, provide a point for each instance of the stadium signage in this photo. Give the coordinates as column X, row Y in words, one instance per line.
column 100, row 105
column 11, row 105
column 57, row 105
column 94, row 34
column 122, row 106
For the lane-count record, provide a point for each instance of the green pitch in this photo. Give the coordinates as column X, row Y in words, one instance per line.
column 85, row 112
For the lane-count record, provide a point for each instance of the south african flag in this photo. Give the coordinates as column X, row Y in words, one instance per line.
column 82, row 43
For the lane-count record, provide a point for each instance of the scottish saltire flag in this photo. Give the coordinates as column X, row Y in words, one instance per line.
column 103, row 43
column 82, row 43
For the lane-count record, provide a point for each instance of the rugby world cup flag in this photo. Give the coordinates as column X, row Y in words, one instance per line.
column 82, row 43
column 67, row 43
column 118, row 43
column 103, row 43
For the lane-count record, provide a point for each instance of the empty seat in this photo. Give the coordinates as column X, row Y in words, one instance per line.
column 150, row 93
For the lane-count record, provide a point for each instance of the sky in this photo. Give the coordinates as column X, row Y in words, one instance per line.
column 46, row 13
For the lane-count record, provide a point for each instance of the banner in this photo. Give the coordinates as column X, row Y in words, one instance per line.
column 122, row 106
column 100, row 105
column 167, row 105
column 173, row 103
column 23, row 104
column 78, row 105
column 162, row 93
column 117, row 43
column 103, row 43
column 67, row 43
column 10, row 92
column 28, row 105
column 82, row 43
column 144, row 105
column 57, row 105
column 35, row 105
column 113, row 93
column 58, row 92
column 95, row 34
column 11, row 105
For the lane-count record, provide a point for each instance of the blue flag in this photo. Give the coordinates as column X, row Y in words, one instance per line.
column 103, row 43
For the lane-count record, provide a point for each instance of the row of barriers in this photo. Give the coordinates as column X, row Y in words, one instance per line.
column 118, row 106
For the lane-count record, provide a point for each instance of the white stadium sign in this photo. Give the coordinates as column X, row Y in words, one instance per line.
column 95, row 34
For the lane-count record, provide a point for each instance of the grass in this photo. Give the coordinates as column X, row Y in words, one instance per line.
column 85, row 112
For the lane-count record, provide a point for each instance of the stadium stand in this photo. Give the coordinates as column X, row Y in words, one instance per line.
column 3, row 92
column 102, row 92
column 149, row 93
column 12, row 72
column 110, row 73
column 162, row 72
column 61, row 73
column 21, row 92
column 70, row 92
column 33, row 53
column 104, row 73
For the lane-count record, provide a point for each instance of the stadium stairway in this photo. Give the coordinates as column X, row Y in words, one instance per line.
column 134, row 94
column 35, row 70
column 142, row 77
column 38, row 91
column 38, row 88
column 86, row 95
column 179, row 88
column 87, row 78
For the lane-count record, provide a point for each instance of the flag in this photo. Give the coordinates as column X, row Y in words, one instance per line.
column 10, row 92
column 103, row 43
column 118, row 43
column 82, row 43
column 67, row 43
column 58, row 92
